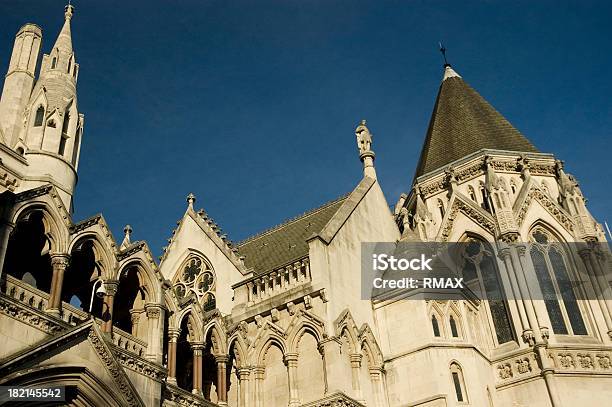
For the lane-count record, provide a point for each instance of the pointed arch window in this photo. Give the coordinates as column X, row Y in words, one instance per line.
column 76, row 147
column 453, row 327
column 458, row 382
column 481, row 275
column 549, row 262
column 196, row 277
column 39, row 117
column 435, row 326
column 53, row 63
column 441, row 208
column 472, row 193
column 513, row 187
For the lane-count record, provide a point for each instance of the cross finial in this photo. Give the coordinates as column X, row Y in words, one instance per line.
column 443, row 52
column 191, row 199
column 69, row 10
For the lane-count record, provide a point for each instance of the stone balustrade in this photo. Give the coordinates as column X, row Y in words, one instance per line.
column 128, row 342
column 35, row 298
column 263, row 286
column 25, row 293
column 184, row 398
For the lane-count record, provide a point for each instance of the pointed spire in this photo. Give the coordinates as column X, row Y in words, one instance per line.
column 126, row 239
column 64, row 39
column 462, row 123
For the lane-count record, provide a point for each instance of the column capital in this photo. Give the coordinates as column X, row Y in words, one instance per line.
column 60, row 260
column 291, row 357
column 259, row 371
column 197, row 346
column 173, row 334
column 243, row 373
column 221, row 358
column 503, row 252
column 111, row 286
column 356, row 358
column 153, row 310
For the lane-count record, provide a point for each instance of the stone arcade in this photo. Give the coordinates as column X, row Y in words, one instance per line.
column 277, row 319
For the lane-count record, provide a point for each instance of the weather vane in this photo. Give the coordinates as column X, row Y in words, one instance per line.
column 443, row 51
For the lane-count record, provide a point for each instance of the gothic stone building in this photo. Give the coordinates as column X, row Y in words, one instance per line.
column 278, row 319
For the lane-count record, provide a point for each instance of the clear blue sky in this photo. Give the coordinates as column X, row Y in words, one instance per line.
column 251, row 105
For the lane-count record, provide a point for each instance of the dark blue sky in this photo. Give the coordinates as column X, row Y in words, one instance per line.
column 251, row 105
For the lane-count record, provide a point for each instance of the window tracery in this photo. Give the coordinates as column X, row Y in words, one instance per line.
column 550, row 265
column 481, row 275
column 197, row 277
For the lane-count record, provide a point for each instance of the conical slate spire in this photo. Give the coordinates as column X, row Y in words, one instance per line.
column 64, row 39
column 462, row 123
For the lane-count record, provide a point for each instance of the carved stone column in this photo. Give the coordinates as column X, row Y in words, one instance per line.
column 173, row 335
column 197, row 348
column 243, row 386
column 155, row 317
column 109, row 301
column 6, row 228
column 504, row 255
column 355, row 366
column 59, row 262
column 135, row 318
column 377, row 386
column 259, row 372
column 221, row 379
column 291, row 360
column 332, row 365
column 599, row 286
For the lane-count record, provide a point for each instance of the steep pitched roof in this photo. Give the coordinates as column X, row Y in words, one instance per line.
column 286, row 242
column 462, row 123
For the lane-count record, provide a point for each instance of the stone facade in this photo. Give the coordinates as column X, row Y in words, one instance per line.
column 278, row 320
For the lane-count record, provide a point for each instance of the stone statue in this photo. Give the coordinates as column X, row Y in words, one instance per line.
column 364, row 137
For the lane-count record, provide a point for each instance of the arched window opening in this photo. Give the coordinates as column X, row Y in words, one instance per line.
column 472, row 193
column 233, row 386
column 310, row 370
column 66, row 123
column 80, row 277
column 209, row 368
column 513, row 187
column 27, row 256
column 69, row 66
column 550, row 267
column 53, row 63
column 76, row 147
column 435, row 326
column 184, row 358
column 39, row 117
column 20, row 151
column 441, row 208
column 129, row 313
column 458, row 383
column 483, row 194
column 453, row 327
column 62, row 146
column 275, row 386
column 197, row 278
column 480, row 274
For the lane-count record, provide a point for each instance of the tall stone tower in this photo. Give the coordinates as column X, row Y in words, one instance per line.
column 39, row 118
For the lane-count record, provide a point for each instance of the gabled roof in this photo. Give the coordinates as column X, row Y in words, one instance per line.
column 286, row 242
column 462, row 123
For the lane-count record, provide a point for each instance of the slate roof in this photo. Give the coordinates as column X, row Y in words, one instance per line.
column 462, row 123
column 286, row 242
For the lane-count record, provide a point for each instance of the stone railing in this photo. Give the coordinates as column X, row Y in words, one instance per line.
column 128, row 342
column 263, row 286
column 35, row 298
column 334, row 400
column 184, row 398
column 25, row 293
